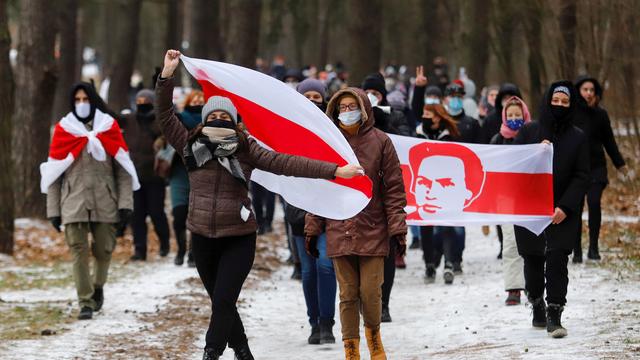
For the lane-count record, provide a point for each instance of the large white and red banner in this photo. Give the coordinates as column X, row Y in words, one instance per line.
column 463, row 184
column 446, row 183
column 283, row 120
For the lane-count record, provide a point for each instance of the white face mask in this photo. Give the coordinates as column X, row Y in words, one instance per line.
column 431, row 101
column 373, row 99
column 350, row 117
column 83, row 110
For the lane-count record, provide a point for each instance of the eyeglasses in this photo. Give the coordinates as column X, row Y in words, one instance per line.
column 350, row 107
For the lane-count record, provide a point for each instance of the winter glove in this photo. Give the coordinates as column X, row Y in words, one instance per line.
column 400, row 242
column 56, row 221
column 125, row 217
column 311, row 246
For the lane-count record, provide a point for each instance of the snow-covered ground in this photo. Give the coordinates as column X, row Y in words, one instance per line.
column 466, row 320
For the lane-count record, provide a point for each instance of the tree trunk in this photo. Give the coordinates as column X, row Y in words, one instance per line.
column 244, row 32
column 324, row 8
column 502, row 41
column 6, row 109
column 477, row 50
column 567, row 22
column 124, row 51
column 432, row 47
column 70, row 57
column 35, row 82
column 205, row 40
column 532, row 13
column 365, row 38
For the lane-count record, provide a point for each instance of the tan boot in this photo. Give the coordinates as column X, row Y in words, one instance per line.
column 352, row 349
column 376, row 350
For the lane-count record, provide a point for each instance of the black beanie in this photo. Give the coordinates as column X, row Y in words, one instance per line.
column 433, row 90
column 376, row 82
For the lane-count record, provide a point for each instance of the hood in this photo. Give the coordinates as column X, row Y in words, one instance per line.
column 596, row 84
column 506, row 90
column 363, row 101
column 525, row 110
column 95, row 101
column 549, row 126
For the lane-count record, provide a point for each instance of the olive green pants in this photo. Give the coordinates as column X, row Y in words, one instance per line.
column 104, row 240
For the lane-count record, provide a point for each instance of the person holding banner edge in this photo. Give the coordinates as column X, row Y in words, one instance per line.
column 546, row 256
column 222, row 224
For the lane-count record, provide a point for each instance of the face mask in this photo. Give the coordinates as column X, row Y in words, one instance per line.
column 559, row 112
column 455, row 106
column 515, row 124
column 219, row 123
column 196, row 109
column 373, row 99
column 431, row 101
column 292, row 84
column 144, row 108
column 321, row 105
column 350, row 117
column 83, row 110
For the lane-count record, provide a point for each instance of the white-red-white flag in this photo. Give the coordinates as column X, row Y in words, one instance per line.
column 283, row 120
column 463, row 184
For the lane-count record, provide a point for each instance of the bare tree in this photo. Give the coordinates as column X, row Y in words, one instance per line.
column 123, row 52
column 244, row 31
column 6, row 109
column 502, row 40
column 35, row 82
column 365, row 38
column 205, row 39
column 477, row 54
column 532, row 13
column 70, row 56
column 568, row 26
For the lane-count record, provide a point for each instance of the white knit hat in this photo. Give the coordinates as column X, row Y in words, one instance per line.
column 216, row 103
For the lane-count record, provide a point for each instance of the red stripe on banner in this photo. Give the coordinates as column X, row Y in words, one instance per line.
column 285, row 136
column 505, row 193
column 516, row 194
column 112, row 140
column 64, row 143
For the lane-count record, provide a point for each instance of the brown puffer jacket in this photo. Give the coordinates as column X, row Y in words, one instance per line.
column 140, row 136
column 217, row 199
column 368, row 233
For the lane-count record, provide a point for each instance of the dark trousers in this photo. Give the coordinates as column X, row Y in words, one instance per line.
column 264, row 202
column 149, row 201
column 389, row 275
column 180, row 214
column 442, row 241
column 548, row 271
column 223, row 265
column 594, row 197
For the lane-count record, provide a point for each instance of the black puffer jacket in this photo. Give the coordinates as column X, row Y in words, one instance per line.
column 570, row 174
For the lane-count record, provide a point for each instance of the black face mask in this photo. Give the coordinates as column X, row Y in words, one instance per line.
column 559, row 112
column 144, row 109
column 219, row 123
column 427, row 124
column 196, row 109
column 321, row 105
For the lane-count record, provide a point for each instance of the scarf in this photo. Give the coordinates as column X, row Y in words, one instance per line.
column 215, row 142
column 70, row 137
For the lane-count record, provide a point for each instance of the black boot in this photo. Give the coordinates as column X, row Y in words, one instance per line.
column 448, row 274
column 326, row 332
column 554, row 323
column 297, row 272
column 457, row 268
column 430, row 275
column 181, row 239
column 138, row 257
column 539, row 310
column 243, row 352
column 593, row 253
column 191, row 262
column 86, row 313
column 386, row 317
column 210, row 354
column 314, row 338
column 98, row 297
column 415, row 243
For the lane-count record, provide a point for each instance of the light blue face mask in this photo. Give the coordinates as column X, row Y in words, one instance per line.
column 455, row 106
column 431, row 101
column 349, row 118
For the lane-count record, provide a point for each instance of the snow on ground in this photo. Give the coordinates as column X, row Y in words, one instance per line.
column 124, row 301
column 466, row 320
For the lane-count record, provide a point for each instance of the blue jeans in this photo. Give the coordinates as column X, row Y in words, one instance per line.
column 318, row 282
